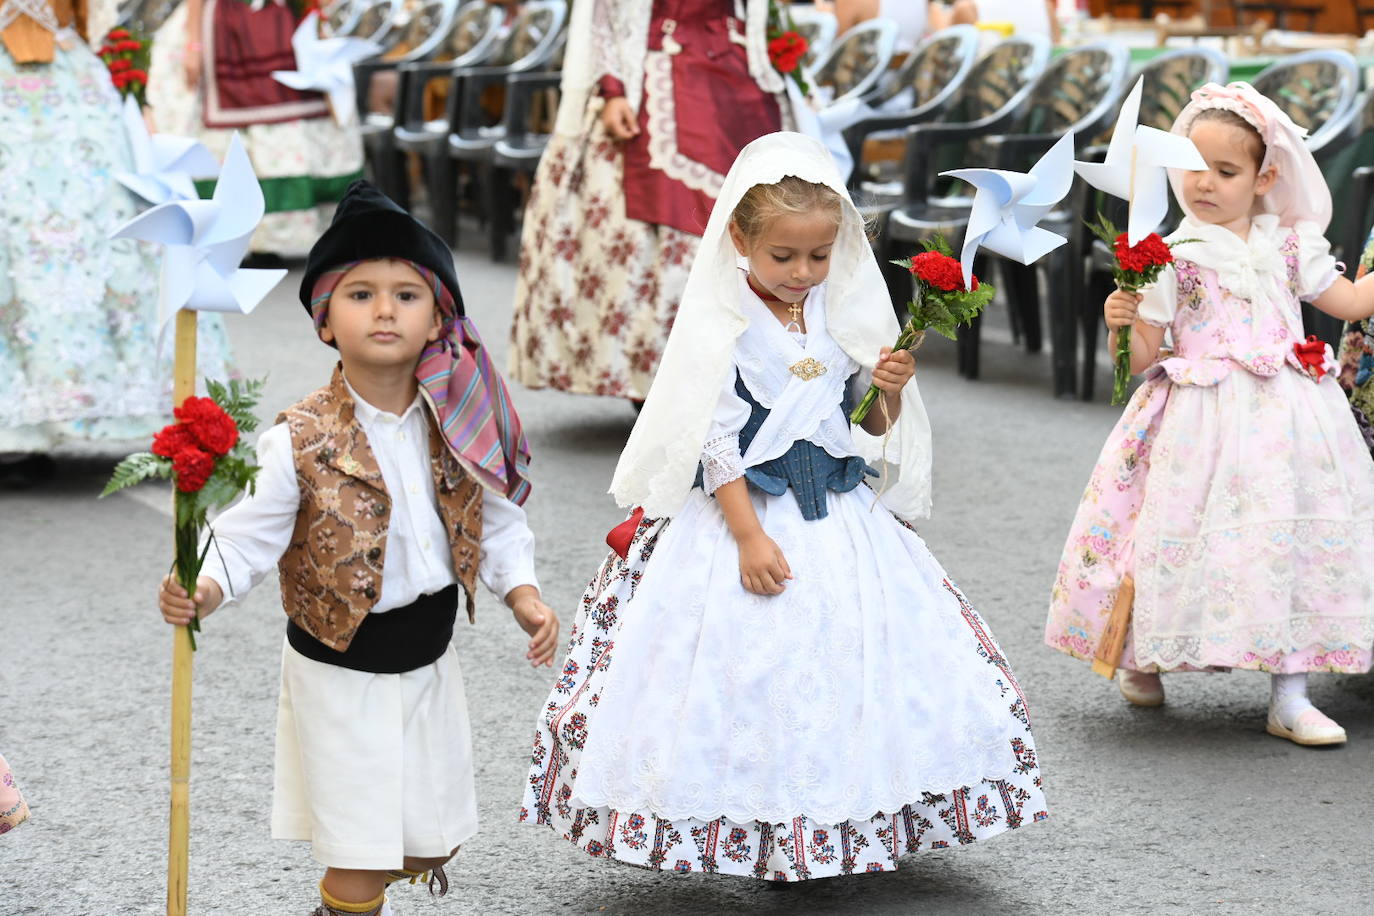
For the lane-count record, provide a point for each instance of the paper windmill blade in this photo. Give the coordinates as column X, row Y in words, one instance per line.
column 326, row 65
column 1137, row 157
column 206, row 241
column 164, row 165
column 1008, row 205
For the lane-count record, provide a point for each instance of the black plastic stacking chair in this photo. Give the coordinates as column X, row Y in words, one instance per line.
column 819, row 30
column 475, row 37
column 1073, row 94
column 924, row 89
column 424, row 35
column 536, row 39
column 1169, row 83
column 856, row 62
column 994, row 89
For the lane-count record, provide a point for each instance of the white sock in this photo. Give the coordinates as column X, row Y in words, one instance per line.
column 1288, row 697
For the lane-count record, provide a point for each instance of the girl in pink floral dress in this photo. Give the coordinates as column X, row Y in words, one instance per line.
column 1236, row 489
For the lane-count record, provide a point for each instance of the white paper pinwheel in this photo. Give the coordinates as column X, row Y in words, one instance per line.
column 1008, row 205
column 326, row 65
column 1135, row 167
column 164, row 166
column 206, row 240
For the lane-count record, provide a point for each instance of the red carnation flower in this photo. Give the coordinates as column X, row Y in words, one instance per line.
column 127, row 45
column 1149, row 252
column 938, row 270
column 138, row 76
column 118, row 34
column 118, row 66
column 172, row 439
column 192, row 468
column 786, row 51
column 212, row 428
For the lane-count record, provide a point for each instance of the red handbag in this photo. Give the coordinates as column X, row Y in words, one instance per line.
column 619, row 537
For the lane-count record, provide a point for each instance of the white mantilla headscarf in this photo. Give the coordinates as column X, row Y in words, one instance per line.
column 660, row 460
column 627, row 41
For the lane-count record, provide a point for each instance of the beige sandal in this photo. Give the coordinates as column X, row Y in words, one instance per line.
column 1140, row 688
column 1311, row 728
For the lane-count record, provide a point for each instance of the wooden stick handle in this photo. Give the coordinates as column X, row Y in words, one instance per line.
column 179, row 823
column 1113, row 639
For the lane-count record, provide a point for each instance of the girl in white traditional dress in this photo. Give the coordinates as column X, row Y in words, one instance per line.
column 775, row 678
column 78, row 312
column 1236, row 490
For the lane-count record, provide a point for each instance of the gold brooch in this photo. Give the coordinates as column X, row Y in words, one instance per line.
column 807, row 369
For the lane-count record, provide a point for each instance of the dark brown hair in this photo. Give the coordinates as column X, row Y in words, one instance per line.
column 1253, row 141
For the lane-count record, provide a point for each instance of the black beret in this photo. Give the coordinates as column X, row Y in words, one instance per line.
column 369, row 225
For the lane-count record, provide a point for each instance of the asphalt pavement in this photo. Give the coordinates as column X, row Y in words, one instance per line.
column 1190, row 808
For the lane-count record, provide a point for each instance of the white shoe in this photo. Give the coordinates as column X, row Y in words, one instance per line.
column 1140, row 688
column 1311, row 728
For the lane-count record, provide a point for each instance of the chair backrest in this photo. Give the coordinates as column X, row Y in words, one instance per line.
column 474, row 36
column 934, row 72
column 1079, row 91
column 535, row 36
column 424, row 34
column 1170, row 80
column 1000, row 79
column 339, row 16
column 143, row 16
column 857, row 61
column 1314, row 88
column 818, row 29
column 376, row 22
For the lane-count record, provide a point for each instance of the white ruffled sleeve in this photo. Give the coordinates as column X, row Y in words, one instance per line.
column 1159, row 301
column 1316, row 267
column 721, row 461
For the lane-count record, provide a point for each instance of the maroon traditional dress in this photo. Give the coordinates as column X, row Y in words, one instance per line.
column 611, row 228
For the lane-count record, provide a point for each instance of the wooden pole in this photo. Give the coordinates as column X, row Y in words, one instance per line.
column 179, row 825
column 1113, row 639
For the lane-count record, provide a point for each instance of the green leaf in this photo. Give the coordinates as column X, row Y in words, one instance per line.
column 237, row 399
column 136, row 468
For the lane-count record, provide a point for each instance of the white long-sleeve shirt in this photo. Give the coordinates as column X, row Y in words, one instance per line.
column 252, row 535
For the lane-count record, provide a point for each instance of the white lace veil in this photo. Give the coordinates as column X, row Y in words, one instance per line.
column 659, row 462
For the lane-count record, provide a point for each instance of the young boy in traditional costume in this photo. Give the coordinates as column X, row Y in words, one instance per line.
column 381, row 495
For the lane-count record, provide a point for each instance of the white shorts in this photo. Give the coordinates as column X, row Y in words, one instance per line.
column 371, row 768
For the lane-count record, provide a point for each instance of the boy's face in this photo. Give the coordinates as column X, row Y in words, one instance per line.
column 382, row 315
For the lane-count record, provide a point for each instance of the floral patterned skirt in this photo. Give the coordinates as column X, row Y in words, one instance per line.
column 596, row 292
column 78, row 312
column 1245, row 510
column 725, row 742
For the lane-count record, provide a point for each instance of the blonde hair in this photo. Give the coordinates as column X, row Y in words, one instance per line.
column 764, row 203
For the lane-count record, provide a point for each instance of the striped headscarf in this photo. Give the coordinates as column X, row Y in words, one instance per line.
column 473, row 407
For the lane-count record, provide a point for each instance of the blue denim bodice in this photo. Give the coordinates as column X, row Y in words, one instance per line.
column 806, row 469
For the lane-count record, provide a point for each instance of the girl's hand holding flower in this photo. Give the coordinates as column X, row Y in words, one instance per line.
column 1120, row 309
column 894, row 370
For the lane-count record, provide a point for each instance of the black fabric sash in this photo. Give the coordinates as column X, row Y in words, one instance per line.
column 399, row 640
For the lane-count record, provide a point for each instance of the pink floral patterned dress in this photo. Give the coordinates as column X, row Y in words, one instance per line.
column 1236, row 488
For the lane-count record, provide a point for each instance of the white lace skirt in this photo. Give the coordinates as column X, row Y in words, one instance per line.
column 864, row 713
column 1255, row 531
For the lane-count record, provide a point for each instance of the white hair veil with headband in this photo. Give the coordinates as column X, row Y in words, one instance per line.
column 659, row 462
column 1300, row 193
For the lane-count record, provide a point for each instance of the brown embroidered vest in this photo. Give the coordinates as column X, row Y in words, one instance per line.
column 331, row 573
